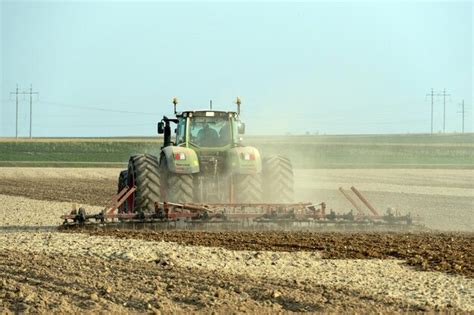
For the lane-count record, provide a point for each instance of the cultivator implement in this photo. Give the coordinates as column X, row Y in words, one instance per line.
column 238, row 216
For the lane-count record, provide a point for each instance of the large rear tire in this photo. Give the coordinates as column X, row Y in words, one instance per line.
column 178, row 188
column 143, row 172
column 247, row 188
column 278, row 179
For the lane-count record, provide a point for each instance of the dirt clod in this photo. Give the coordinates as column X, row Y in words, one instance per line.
column 94, row 297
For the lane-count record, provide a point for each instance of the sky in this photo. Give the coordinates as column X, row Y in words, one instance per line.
column 106, row 68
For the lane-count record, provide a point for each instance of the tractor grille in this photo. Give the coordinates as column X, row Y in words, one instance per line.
column 212, row 164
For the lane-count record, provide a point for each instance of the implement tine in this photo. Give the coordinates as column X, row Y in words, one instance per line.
column 365, row 201
column 112, row 205
column 115, row 198
column 352, row 201
column 124, row 197
column 119, row 199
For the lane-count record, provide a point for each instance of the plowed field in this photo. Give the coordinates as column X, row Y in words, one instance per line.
column 447, row 252
column 43, row 270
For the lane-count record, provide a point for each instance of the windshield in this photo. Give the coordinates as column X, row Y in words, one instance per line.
column 210, row 131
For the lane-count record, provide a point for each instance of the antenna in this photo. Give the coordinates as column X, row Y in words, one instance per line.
column 210, row 104
column 175, row 102
column 238, row 102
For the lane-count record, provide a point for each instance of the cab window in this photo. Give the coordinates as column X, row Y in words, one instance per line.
column 210, row 131
column 181, row 131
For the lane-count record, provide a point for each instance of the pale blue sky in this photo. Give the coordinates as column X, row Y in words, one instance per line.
column 111, row 69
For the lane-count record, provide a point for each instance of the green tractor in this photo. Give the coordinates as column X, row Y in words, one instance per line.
column 205, row 162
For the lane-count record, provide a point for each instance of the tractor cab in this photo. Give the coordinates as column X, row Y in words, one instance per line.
column 203, row 129
column 208, row 129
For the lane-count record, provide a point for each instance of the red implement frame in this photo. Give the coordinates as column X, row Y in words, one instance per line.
column 279, row 213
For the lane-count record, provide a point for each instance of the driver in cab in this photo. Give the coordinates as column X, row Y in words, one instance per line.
column 207, row 136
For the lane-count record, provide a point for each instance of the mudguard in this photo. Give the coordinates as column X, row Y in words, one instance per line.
column 177, row 163
column 244, row 160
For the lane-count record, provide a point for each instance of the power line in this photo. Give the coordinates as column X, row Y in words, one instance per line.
column 98, row 125
column 58, row 104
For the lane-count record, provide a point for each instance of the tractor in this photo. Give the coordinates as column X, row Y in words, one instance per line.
column 205, row 162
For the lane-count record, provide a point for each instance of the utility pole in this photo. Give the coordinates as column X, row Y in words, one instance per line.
column 16, row 94
column 432, row 95
column 444, row 110
column 31, row 108
column 462, row 112
column 31, row 93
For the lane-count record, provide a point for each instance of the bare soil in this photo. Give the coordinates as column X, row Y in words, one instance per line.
column 228, row 272
column 447, row 252
column 82, row 191
column 44, row 283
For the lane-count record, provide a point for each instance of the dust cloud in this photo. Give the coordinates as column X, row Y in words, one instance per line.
column 410, row 174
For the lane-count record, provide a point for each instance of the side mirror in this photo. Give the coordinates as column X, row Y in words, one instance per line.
column 241, row 128
column 161, row 128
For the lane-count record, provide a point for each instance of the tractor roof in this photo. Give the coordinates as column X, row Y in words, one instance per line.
column 206, row 112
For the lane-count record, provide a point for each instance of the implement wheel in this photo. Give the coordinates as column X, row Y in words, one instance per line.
column 247, row 188
column 143, row 172
column 278, row 179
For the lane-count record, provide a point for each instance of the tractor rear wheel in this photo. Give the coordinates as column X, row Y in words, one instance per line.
column 247, row 188
column 178, row 188
column 122, row 182
column 143, row 172
column 278, row 179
